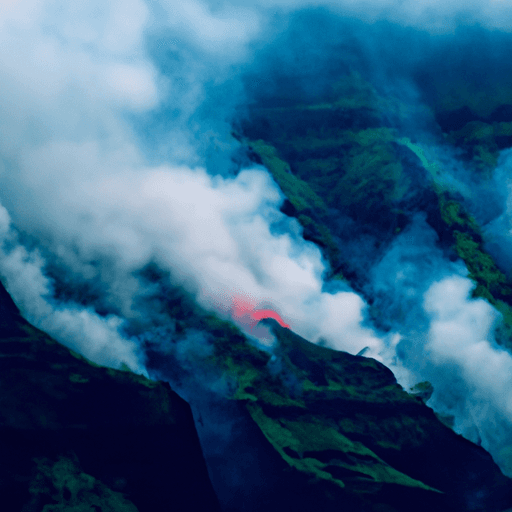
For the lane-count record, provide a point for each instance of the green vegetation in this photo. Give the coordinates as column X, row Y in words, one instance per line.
column 481, row 99
column 428, row 163
column 482, row 269
column 455, row 216
column 139, row 379
column 77, row 378
column 371, row 179
column 319, row 444
column 314, row 447
column 354, row 168
column 303, row 198
column 65, row 488
column 332, row 155
column 423, row 390
column 479, row 142
column 491, row 284
column 297, row 191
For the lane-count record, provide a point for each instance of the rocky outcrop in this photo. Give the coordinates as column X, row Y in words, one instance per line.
column 311, row 428
column 76, row 436
column 351, row 437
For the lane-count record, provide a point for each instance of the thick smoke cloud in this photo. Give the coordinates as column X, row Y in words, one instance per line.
column 446, row 338
column 81, row 329
column 75, row 179
column 460, row 346
column 116, row 152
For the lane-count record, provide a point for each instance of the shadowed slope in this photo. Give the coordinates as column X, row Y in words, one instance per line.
column 343, row 424
column 76, row 436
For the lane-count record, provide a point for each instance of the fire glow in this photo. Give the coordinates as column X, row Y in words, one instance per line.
column 245, row 313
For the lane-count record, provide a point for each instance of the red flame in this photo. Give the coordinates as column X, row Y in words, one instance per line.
column 268, row 313
column 244, row 312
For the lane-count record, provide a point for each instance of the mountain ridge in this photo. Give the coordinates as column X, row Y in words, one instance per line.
column 77, row 436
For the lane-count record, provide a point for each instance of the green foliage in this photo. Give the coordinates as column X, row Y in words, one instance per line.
column 303, row 198
column 474, row 132
column 371, row 179
column 491, row 283
column 65, row 488
column 370, row 136
column 247, row 382
column 481, row 99
column 423, row 390
column 314, row 446
column 450, row 211
column 478, row 141
column 503, row 331
column 456, row 217
column 305, row 220
column 80, row 357
column 77, row 378
column 355, row 168
column 319, row 443
column 297, row 191
column 139, row 379
column 481, row 266
column 428, row 163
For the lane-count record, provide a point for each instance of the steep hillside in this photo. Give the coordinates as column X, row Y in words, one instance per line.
column 300, row 426
column 350, row 170
column 79, row 437
column 337, row 430
column 358, row 435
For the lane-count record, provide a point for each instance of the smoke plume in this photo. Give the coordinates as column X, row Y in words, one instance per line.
column 116, row 154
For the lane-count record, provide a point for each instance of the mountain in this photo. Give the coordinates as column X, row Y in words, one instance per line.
column 296, row 426
column 79, row 437
column 337, row 431
column 349, row 168
column 332, row 428
column 362, row 440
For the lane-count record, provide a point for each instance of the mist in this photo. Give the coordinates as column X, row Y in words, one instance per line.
column 116, row 153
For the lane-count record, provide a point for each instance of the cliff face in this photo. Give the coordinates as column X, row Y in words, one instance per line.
column 344, row 433
column 75, row 436
column 324, row 429
column 358, row 435
column 343, row 430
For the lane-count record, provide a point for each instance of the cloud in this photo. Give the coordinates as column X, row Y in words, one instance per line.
column 80, row 329
column 76, row 179
column 115, row 152
column 214, row 232
column 460, row 345
column 87, row 188
column 438, row 333
column 213, row 22
column 227, row 29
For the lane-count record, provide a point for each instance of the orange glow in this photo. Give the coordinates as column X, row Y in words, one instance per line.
column 245, row 312
column 268, row 313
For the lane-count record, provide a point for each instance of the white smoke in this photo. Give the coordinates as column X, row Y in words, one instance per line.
column 83, row 88
column 209, row 21
column 76, row 178
column 460, row 345
column 81, row 329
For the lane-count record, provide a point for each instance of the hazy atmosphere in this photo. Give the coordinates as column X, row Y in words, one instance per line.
column 120, row 157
